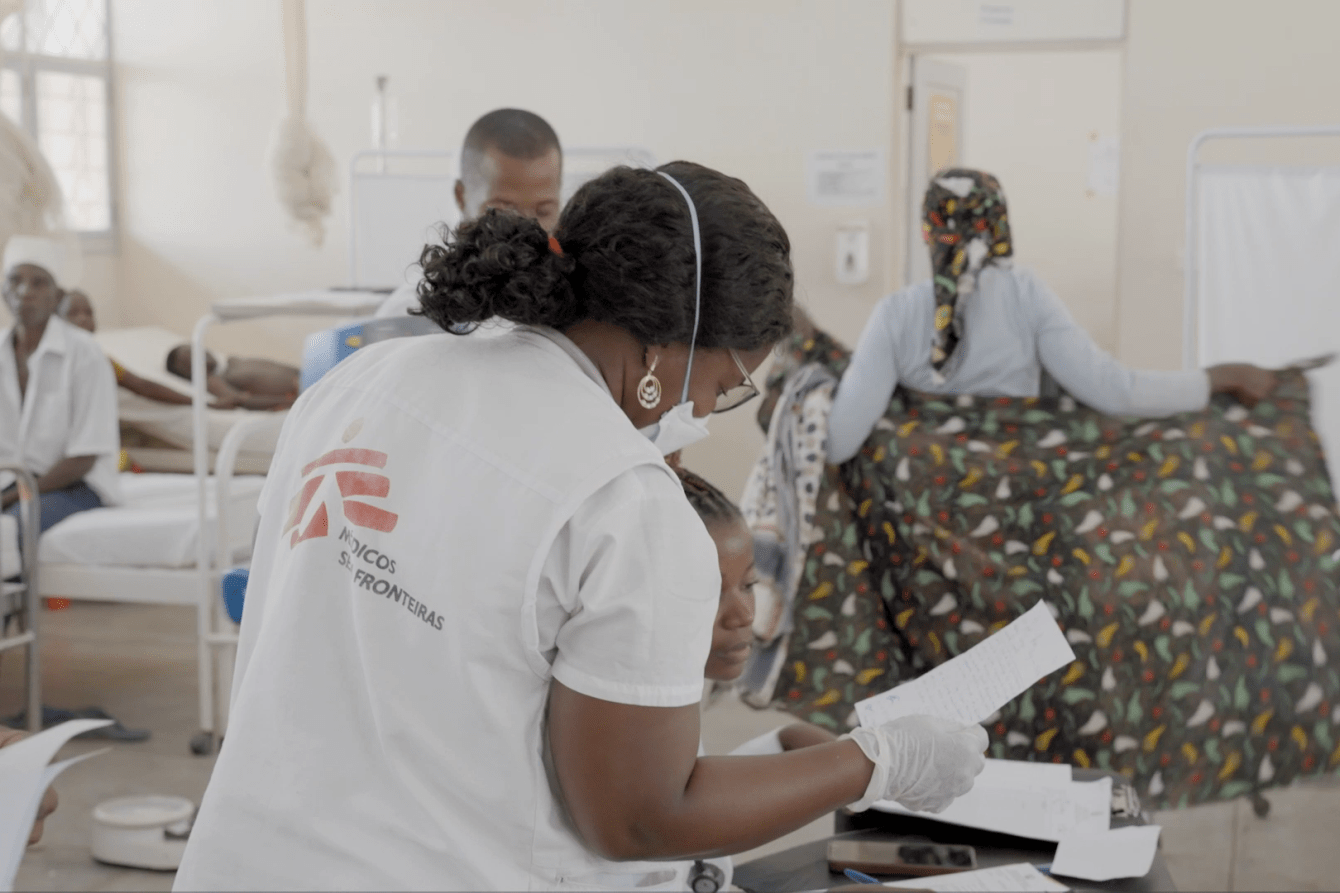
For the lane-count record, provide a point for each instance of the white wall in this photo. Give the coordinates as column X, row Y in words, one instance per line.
column 1191, row 65
column 748, row 87
column 1031, row 118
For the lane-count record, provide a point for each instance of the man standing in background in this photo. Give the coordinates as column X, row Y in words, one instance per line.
column 511, row 160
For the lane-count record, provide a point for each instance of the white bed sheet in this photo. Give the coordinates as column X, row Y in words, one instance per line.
column 175, row 424
column 156, row 527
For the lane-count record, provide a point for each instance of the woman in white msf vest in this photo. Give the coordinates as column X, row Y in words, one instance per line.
column 480, row 605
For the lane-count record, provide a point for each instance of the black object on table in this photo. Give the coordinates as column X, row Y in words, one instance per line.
column 806, row 867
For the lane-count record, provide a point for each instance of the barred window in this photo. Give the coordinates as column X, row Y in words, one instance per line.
column 56, row 84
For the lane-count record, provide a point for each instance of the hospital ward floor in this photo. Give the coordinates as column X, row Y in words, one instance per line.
column 138, row 663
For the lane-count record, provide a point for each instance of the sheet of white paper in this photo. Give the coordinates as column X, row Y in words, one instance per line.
column 845, row 178
column 1018, row 773
column 1021, row 877
column 982, row 679
column 1039, row 813
column 24, row 777
column 1119, row 853
column 12, row 852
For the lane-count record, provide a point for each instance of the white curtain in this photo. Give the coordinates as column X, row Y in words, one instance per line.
column 1269, row 276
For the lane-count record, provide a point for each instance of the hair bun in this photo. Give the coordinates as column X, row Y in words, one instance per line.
column 497, row 265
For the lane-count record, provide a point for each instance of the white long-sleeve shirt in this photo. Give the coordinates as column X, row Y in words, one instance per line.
column 1013, row 328
column 69, row 408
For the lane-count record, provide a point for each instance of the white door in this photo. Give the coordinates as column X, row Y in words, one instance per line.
column 938, row 103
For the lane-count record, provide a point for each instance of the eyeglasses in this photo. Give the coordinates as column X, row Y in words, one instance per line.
column 741, row 393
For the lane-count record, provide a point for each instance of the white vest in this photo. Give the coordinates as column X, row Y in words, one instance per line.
column 397, row 649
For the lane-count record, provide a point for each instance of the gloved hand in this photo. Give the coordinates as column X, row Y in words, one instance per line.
column 922, row 762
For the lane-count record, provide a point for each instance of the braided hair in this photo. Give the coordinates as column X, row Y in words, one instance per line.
column 713, row 506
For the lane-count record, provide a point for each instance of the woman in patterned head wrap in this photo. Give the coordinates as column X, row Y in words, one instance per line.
column 1191, row 561
column 985, row 327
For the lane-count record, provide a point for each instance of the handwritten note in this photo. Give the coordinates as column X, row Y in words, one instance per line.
column 981, row 680
column 1020, row 877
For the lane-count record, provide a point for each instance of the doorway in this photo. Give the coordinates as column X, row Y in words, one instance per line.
column 1046, row 123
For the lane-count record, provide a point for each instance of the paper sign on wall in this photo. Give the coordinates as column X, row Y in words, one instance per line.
column 845, row 178
column 1104, row 165
column 942, row 137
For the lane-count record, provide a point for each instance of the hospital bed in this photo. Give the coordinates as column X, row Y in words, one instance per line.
column 143, row 550
column 175, row 535
column 158, row 436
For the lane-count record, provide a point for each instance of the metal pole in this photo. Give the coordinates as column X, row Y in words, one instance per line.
column 32, row 568
column 30, row 528
column 203, row 564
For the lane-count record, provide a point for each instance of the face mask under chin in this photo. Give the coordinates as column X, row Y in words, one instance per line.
column 677, row 429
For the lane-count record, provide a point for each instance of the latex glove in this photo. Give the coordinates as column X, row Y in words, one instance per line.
column 922, row 762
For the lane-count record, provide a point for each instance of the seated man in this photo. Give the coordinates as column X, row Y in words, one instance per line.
column 57, row 392
column 247, row 383
column 511, row 159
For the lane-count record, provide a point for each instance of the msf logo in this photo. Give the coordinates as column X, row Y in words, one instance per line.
column 352, row 483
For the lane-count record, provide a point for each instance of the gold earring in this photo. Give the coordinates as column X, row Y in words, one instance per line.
column 649, row 388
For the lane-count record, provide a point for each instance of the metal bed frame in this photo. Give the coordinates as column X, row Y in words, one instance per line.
column 26, row 590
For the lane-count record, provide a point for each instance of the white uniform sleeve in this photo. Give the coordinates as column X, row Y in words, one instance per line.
column 1093, row 376
column 637, row 573
column 866, row 387
column 94, row 430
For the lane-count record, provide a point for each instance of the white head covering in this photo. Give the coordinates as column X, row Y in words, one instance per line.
column 60, row 258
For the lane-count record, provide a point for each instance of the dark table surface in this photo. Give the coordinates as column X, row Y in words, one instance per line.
column 806, row 867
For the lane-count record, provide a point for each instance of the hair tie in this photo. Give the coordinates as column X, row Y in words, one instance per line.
column 555, row 247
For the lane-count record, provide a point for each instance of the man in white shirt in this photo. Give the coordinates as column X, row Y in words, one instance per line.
column 57, row 390
column 511, row 159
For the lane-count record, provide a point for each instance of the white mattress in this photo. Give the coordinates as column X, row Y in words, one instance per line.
column 156, row 527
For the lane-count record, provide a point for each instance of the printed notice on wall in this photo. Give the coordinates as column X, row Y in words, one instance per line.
column 845, row 178
column 1104, row 165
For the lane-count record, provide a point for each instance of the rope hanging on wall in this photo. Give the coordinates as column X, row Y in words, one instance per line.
column 302, row 167
column 30, row 197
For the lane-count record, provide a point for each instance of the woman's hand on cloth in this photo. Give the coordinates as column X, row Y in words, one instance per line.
column 922, row 762
column 1246, row 383
column 49, row 802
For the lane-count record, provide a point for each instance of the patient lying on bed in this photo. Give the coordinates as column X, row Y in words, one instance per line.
column 248, row 383
column 77, row 310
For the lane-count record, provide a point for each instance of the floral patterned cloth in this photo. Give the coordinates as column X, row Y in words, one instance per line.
column 1192, row 563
